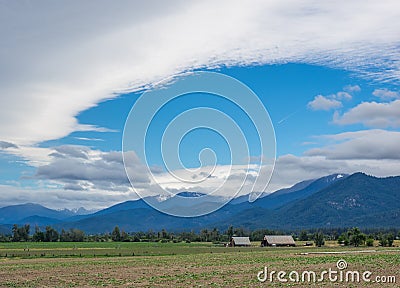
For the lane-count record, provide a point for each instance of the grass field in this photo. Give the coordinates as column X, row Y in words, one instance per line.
column 180, row 264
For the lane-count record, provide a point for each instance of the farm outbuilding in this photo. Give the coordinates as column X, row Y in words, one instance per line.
column 239, row 241
column 278, row 240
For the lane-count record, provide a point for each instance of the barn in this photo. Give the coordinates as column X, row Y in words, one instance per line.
column 239, row 241
column 278, row 240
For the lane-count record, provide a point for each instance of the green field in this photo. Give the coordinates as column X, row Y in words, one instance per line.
column 178, row 264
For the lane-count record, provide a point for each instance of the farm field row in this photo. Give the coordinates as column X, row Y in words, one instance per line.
column 109, row 249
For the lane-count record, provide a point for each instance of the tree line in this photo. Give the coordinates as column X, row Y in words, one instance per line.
column 344, row 236
column 353, row 237
column 22, row 234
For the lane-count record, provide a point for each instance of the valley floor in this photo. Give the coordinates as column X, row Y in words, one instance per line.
column 183, row 265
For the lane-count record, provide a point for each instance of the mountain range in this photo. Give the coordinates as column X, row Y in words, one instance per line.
column 336, row 200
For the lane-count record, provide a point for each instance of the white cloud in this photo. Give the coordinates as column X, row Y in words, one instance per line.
column 386, row 94
column 80, row 168
column 225, row 180
column 291, row 169
column 57, row 198
column 342, row 96
column 352, row 88
column 323, row 103
column 32, row 155
column 6, row 145
column 361, row 145
column 60, row 58
column 333, row 101
column 371, row 114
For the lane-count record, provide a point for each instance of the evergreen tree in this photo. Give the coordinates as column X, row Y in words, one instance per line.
column 116, row 234
column 38, row 236
column 51, row 235
column 230, row 232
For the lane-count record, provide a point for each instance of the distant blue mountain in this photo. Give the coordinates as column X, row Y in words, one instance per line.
column 39, row 221
column 128, row 205
column 355, row 200
column 299, row 191
column 16, row 214
column 296, row 187
column 4, row 230
column 286, row 195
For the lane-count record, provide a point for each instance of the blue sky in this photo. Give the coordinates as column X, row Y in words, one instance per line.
column 284, row 89
column 331, row 88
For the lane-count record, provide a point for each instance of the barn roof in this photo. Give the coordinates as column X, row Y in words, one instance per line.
column 241, row 240
column 279, row 240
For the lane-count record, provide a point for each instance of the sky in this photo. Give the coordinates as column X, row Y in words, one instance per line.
column 327, row 73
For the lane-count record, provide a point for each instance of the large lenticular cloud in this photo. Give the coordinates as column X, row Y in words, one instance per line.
column 71, row 55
